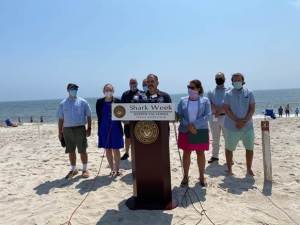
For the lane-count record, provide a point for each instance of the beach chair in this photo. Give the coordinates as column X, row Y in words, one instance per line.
column 270, row 113
column 9, row 123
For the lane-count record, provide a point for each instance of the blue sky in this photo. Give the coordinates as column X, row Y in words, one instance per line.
column 46, row 44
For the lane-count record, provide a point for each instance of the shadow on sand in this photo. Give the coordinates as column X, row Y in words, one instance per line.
column 125, row 216
column 45, row 188
column 237, row 186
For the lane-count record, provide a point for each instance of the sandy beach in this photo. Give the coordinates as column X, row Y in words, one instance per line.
column 33, row 190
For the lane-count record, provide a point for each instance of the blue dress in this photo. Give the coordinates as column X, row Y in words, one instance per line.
column 110, row 133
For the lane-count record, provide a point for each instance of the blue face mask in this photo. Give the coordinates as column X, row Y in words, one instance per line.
column 237, row 85
column 145, row 88
column 73, row 93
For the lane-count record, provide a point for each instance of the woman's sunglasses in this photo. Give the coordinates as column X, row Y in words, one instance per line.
column 190, row 87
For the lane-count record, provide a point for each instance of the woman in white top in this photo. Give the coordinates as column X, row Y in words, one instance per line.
column 194, row 112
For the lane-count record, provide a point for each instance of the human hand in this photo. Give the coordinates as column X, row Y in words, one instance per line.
column 192, row 129
column 88, row 132
column 60, row 135
column 240, row 124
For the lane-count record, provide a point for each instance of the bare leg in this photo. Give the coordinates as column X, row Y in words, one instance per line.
column 109, row 157
column 127, row 145
column 84, row 158
column 249, row 160
column 229, row 156
column 201, row 165
column 186, row 164
column 116, row 155
column 72, row 158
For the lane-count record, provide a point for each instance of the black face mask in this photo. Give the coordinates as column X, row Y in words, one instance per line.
column 220, row 81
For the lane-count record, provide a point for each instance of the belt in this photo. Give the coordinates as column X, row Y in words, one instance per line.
column 222, row 114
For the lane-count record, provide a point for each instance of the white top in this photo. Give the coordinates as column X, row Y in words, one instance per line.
column 193, row 110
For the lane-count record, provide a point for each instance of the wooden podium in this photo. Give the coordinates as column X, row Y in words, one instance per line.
column 150, row 166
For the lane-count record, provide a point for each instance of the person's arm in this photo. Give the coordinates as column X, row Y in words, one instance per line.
column 251, row 110
column 89, row 119
column 214, row 109
column 60, row 128
column 204, row 117
column 229, row 113
column 60, row 116
column 180, row 114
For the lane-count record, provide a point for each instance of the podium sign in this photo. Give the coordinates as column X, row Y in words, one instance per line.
column 149, row 128
column 143, row 111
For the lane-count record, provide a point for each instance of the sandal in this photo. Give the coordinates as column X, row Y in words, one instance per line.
column 85, row 174
column 184, row 182
column 203, row 183
column 112, row 173
column 71, row 174
column 117, row 174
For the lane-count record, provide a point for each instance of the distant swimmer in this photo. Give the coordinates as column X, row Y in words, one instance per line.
column 297, row 112
column 280, row 111
column 287, row 110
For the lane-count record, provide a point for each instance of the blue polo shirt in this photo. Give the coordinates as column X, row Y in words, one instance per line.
column 217, row 96
column 239, row 102
column 74, row 112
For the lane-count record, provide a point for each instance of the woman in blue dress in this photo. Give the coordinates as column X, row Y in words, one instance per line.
column 110, row 133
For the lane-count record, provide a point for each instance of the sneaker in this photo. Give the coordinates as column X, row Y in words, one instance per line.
column 85, row 174
column 213, row 159
column 71, row 174
column 125, row 156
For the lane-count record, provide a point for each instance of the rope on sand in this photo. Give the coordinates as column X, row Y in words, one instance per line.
column 188, row 189
column 272, row 202
column 276, row 206
column 92, row 185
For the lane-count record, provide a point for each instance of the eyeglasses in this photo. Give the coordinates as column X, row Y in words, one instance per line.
column 191, row 87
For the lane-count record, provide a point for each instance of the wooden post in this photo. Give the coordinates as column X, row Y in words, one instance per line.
column 266, row 148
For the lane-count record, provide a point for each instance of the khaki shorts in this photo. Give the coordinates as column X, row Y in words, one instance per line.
column 75, row 137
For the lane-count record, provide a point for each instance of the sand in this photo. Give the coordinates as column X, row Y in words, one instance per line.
column 33, row 191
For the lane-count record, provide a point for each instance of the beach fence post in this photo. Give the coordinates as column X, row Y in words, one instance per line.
column 266, row 149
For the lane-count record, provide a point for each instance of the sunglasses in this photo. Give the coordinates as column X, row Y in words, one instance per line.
column 191, row 87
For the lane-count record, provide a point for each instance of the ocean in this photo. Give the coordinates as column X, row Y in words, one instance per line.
column 270, row 99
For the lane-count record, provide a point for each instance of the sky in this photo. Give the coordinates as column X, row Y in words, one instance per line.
column 46, row 44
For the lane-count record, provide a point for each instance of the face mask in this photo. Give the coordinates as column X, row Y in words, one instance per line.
column 108, row 94
column 237, row 85
column 193, row 94
column 133, row 87
column 220, row 81
column 145, row 88
column 73, row 93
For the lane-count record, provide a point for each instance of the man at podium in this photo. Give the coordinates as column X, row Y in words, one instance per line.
column 154, row 95
column 150, row 144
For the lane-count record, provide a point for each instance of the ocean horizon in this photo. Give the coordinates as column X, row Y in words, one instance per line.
column 265, row 99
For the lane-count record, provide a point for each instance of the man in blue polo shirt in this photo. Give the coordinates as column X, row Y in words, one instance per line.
column 239, row 106
column 73, row 114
